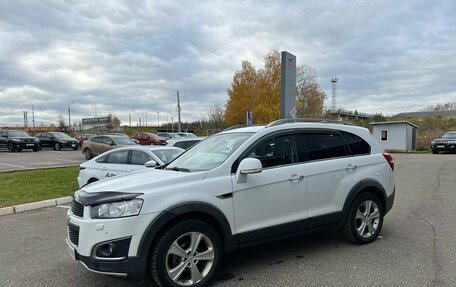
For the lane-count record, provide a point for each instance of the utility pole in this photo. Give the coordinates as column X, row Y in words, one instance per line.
column 158, row 119
column 69, row 115
column 146, row 118
column 33, row 115
column 129, row 119
column 25, row 121
column 334, row 93
column 178, row 113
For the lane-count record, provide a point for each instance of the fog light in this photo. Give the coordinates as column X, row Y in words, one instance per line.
column 106, row 250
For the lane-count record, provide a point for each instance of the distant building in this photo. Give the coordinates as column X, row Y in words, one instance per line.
column 427, row 114
column 395, row 135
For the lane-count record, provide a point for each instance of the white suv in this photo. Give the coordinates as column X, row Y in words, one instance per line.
column 236, row 188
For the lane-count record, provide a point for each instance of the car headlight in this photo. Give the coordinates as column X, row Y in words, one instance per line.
column 16, row 140
column 62, row 141
column 432, row 142
column 452, row 142
column 117, row 209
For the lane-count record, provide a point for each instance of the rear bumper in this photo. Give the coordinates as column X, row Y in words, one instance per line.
column 390, row 201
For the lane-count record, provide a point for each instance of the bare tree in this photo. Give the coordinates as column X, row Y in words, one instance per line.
column 216, row 117
column 62, row 125
column 310, row 97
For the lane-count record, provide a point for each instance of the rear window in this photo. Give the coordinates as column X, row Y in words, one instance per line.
column 357, row 145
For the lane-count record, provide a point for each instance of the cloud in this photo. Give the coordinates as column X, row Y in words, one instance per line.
column 129, row 57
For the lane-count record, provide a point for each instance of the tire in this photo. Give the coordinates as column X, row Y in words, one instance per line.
column 75, row 148
column 355, row 230
column 87, row 154
column 57, row 146
column 166, row 257
column 35, row 149
column 11, row 147
column 18, row 149
column 435, row 151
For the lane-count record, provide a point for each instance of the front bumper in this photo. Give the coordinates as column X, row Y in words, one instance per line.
column 444, row 147
column 73, row 145
column 85, row 235
column 24, row 145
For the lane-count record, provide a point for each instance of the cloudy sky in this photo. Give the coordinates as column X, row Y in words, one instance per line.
column 130, row 57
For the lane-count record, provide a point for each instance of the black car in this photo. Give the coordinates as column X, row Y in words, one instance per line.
column 446, row 143
column 57, row 140
column 16, row 140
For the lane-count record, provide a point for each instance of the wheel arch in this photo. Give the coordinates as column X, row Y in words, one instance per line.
column 189, row 210
column 368, row 185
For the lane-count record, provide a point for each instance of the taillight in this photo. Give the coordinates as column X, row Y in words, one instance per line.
column 389, row 159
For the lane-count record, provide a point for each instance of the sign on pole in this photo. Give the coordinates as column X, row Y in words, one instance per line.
column 249, row 118
column 288, row 92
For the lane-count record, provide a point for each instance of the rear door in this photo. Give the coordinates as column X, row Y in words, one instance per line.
column 3, row 139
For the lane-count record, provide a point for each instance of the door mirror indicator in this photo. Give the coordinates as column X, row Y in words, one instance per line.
column 248, row 166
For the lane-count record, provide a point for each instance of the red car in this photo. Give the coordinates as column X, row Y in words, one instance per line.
column 82, row 137
column 149, row 139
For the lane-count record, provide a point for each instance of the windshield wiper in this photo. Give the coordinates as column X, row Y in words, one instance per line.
column 178, row 169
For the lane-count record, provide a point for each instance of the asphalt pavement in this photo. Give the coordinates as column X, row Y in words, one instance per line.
column 417, row 245
column 27, row 159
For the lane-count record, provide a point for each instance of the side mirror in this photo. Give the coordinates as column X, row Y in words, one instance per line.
column 52, row 138
column 248, row 166
column 4, row 136
column 110, row 143
column 151, row 163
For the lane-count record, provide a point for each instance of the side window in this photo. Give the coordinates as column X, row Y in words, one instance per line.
column 106, row 140
column 96, row 139
column 356, row 144
column 102, row 159
column 276, row 151
column 139, row 157
column 321, row 145
column 118, row 157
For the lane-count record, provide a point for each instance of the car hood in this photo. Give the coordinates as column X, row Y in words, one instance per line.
column 144, row 181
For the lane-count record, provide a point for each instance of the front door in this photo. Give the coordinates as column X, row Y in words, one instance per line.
column 274, row 201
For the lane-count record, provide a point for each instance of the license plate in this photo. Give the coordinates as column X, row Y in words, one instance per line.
column 29, row 144
column 73, row 145
column 71, row 251
column 441, row 146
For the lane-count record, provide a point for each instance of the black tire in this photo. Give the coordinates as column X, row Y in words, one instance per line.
column 435, row 151
column 75, row 148
column 11, row 147
column 35, row 149
column 57, row 146
column 352, row 223
column 161, row 259
column 87, row 154
column 18, row 149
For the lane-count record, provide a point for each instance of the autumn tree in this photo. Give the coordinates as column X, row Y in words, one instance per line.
column 259, row 91
column 115, row 121
column 310, row 97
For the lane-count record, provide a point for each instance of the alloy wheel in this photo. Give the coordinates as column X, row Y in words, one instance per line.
column 367, row 219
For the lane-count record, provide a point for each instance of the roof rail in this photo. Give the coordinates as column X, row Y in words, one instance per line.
column 238, row 126
column 307, row 120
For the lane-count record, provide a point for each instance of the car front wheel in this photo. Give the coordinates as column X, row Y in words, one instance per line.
column 11, row 147
column 364, row 220
column 87, row 154
column 57, row 146
column 435, row 151
column 187, row 254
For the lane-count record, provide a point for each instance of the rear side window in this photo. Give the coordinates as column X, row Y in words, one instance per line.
column 357, row 145
column 322, row 145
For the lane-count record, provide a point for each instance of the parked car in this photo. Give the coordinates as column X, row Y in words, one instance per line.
column 236, row 188
column 187, row 135
column 17, row 140
column 57, row 140
column 99, row 144
column 124, row 160
column 149, row 138
column 169, row 136
column 184, row 143
column 445, row 143
column 83, row 137
column 126, row 136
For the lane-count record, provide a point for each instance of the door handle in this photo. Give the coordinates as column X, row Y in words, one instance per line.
column 351, row 167
column 295, row 178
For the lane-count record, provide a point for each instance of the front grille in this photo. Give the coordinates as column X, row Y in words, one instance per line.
column 73, row 234
column 77, row 209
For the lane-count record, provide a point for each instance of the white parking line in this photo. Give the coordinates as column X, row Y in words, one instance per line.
column 70, row 160
column 13, row 165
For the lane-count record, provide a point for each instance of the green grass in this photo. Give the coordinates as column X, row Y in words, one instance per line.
column 26, row 186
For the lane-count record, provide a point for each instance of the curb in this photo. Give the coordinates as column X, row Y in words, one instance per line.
column 35, row 205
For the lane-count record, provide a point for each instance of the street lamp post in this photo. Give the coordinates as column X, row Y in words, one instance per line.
column 69, row 114
column 33, row 114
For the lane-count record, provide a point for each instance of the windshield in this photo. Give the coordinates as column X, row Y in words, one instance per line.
column 449, row 136
column 123, row 141
column 167, row 155
column 17, row 134
column 210, row 153
column 61, row 135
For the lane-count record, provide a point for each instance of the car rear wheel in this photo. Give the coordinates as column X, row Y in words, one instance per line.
column 364, row 220
column 87, row 154
column 57, row 146
column 187, row 254
column 75, row 148
column 435, row 151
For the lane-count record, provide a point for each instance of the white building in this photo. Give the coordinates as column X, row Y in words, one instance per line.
column 395, row 135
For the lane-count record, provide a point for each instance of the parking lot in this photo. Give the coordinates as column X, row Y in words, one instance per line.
column 27, row 159
column 417, row 245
